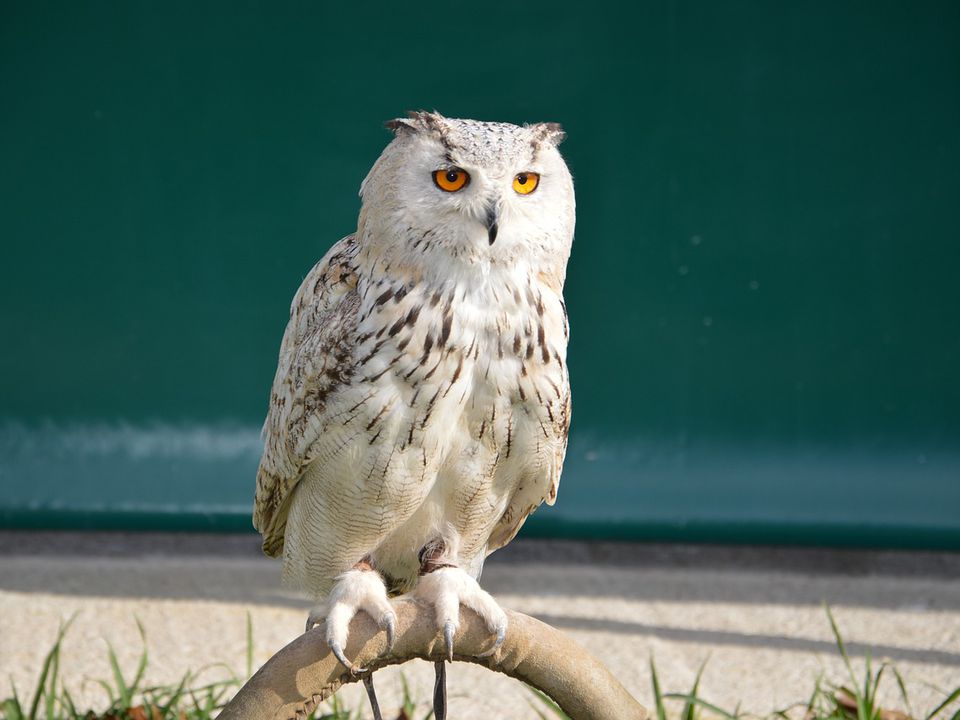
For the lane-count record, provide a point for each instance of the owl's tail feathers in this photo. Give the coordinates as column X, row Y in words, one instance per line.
column 273, row 544
column 273, row 529
column 270, row 510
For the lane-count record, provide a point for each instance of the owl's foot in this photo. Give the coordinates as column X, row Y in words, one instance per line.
column 446, row 588
column 355, row 590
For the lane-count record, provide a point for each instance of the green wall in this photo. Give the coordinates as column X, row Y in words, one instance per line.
column 763, row 292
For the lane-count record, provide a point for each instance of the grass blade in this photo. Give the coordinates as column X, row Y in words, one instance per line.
column 407, row 703
column 107, row 689
column 838, row 638
column 175, row 696
column 142, row 664
column 40, row 692
column 657, row 694
column 816, row 695
column 903, row 690
column 50, row 693
column 875, row 708
column 689, row 708
column 950, row 698
column 549, row 704
column 41, row 684
column 12, row 709
column 69, row 705
column 704, row 704
column 123, row 691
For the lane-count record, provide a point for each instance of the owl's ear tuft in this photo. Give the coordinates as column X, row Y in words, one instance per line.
column 401, row 125
column 550, row 131
column 416, row 121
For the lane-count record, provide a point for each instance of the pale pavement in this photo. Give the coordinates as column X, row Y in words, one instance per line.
column 755, row 615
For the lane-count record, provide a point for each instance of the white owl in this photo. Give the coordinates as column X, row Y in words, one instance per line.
column 421, row 403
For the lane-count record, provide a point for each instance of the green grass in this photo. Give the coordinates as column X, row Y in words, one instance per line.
column 857, row 699
column 129, row 699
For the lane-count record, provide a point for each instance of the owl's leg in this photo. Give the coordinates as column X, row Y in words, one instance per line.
column 360, row 588
column 445, row 586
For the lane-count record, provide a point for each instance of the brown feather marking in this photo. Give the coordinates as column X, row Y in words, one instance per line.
column 429, row 409
column 456, row 376
column 379, row 415
column 446, row 328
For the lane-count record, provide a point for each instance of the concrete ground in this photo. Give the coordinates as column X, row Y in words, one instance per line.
column 755, row 615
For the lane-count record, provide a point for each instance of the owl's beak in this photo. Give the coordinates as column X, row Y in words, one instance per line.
column 492, row 221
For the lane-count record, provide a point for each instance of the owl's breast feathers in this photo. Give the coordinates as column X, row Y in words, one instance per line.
column 419, row 382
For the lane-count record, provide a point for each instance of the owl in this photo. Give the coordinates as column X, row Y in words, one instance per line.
column 421, row 403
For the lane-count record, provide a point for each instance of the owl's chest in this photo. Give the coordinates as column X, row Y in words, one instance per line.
column 451, row 367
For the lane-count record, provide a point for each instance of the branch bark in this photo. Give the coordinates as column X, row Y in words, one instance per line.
column 304, row 673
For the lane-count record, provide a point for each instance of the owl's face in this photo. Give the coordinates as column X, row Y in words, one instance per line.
column 475, row 191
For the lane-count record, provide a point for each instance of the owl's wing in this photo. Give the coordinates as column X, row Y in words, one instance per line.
column 542, row 478
column 314, row 363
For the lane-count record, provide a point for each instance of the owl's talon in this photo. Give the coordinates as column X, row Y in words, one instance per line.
column 338, row 653
column 501, row 636
column 391, row 628
column 314, row 618
column 449, row 629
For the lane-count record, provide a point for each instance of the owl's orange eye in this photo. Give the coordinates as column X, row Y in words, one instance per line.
column 451, row 179
column 526, row 182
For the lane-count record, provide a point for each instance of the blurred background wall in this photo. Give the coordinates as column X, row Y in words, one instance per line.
column 763, row 292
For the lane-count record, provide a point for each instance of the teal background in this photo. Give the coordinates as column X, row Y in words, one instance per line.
column 763, row 290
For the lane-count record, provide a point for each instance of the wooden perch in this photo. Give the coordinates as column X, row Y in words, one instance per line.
column 304, row 673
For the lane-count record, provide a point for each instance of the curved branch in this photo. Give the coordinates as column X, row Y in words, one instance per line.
column 305, row 672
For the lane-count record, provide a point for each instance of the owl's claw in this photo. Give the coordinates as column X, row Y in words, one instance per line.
column 501, row 636
column 315, row 617
column 338, row 653
column 449, row 630
column 391, row 628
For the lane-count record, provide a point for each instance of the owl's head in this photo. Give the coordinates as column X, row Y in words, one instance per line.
column 476, row 192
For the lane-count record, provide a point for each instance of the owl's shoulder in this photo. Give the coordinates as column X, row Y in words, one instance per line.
column 333, row 276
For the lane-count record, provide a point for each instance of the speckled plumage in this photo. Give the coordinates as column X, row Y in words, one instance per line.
column 422, row 389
